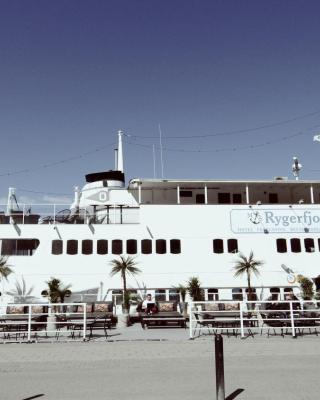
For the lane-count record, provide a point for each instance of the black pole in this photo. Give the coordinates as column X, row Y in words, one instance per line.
column 220, row 391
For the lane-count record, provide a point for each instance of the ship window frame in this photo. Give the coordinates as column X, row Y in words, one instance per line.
column 19, row 247
column 161, row 246
column 56, row 251
column 185, row 193
column 134, row 244
column 224, row 198
column 309, row 248
column 232, row 249
column 114, row 244
column 218, row 246
column 102, row 251
column 69, row 250
column 200, row 198
column 295, row 245
column 86, row 247
column 175, row 246
column 273, row 198
column 237, row 198
column 282, row 245
column 145, row 249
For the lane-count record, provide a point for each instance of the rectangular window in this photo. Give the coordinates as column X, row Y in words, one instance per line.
column 281, row 245
column 237, row 198
column 161, row 246
column 224, row 198
column 273, row 198
column 131, row 246
column 175, row 246
column 174, row 295
column 237, row 294
column 56, row 247
column 232, row 246
column 19, row 247
column 309, row 245
column 218, row 246
column 160, row 295
column 200, row 198
column 213, row 294
column 87, row 247
column 102, row 247
column 146, row 246
column 295, row 245
column 185, row 193
column 72, row 247
column 117, row 246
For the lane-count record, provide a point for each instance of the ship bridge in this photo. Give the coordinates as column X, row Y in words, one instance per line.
column 275, row 191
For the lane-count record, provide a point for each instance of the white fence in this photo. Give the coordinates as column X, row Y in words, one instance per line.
column 246, row 318
column 33, row 322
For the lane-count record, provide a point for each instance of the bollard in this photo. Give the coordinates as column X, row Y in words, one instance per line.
column 220, row 390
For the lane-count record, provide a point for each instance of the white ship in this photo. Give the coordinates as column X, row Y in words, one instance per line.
column 174, row 228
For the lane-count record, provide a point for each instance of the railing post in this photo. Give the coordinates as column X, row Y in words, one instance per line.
column 190, row 319
column 220, row 389
column 292, row 320
column 29, row 322
column 241, row 320
column 84, row 320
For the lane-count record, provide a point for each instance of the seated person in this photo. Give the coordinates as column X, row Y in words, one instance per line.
column 149, row 305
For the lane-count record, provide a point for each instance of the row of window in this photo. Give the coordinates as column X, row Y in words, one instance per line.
column 116, row 246
column 218, row 246
column 295, row 245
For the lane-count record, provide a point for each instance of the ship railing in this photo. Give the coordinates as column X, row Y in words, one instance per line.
column 248, row 318
column 62, row 214
column 40, row 322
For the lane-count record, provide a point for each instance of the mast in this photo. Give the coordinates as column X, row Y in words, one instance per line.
column 120, row 153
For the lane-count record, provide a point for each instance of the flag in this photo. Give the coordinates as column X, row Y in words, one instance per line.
column 316, row 138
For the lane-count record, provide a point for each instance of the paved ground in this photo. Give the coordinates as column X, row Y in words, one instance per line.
column 163, row 365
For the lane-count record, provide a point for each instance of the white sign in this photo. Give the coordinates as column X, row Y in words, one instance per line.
column 100, row 197
column 275, row 220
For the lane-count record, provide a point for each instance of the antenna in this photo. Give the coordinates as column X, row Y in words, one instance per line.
column 120, row 154
column 161, row 157
column 296, row 168
column 154, row 161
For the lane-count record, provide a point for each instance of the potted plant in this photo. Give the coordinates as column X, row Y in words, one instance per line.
column 194, row 289
column 124, row 266
column 182, row 290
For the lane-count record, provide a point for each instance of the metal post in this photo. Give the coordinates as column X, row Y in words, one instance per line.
column 247, row 195
column 292, row 320
column 220, row 390
column 190, row 319
column 29, row 323
column 178, row 194
column 205, row 195
column 241, row 320
column 84, row 320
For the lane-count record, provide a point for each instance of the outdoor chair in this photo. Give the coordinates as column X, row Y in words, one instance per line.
column 274, row 322
column 204, row 321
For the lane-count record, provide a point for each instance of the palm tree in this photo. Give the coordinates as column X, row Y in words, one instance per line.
column 124, row 266
column 57, row 292
column 248, row 266
column 20, row 290
column 5, row 270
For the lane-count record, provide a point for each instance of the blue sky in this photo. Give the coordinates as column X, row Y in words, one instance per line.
column 74, row 72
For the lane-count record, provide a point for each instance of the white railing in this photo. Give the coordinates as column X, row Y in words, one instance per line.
column 252, row 317
column 61, row 213
column 33, row 322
